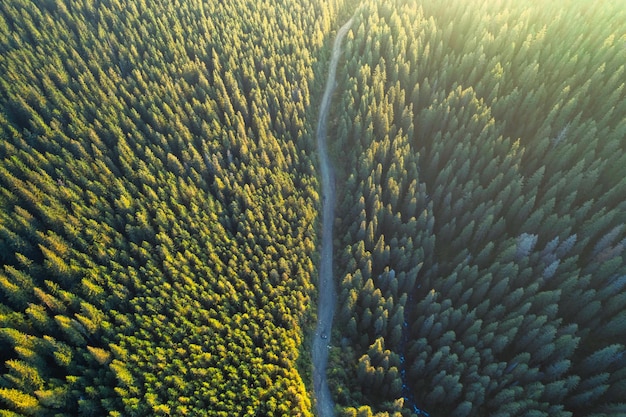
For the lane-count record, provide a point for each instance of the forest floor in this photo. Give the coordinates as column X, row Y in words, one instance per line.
column 327, row 296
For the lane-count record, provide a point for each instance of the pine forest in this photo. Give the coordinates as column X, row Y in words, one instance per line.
column 161, row 208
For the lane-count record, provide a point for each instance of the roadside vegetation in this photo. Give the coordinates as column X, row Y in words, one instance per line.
column 480, row 241
column 158, row 205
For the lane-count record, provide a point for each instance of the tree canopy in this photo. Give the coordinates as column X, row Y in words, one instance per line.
column 482, row 222
column 158, row 205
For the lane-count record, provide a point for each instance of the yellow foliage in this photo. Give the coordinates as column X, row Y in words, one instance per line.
column 100, row 355
column 18, row 400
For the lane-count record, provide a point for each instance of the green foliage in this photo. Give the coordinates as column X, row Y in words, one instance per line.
column 157, row 205
column 482, row 213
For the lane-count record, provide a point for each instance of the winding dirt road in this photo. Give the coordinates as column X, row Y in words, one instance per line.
column 326, row 286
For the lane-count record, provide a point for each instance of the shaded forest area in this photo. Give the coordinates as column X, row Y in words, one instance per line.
column 481, row 231
column 158, row 205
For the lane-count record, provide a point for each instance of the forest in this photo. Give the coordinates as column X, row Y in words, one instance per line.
column 480, row 250
column 160, row 207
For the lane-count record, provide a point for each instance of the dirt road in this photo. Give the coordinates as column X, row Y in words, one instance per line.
column 326, row 286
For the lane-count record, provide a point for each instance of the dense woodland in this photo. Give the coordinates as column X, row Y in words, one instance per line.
column 158, row 205
column 481, row 234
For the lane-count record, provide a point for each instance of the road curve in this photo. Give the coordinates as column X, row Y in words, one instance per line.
column 327, row 297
